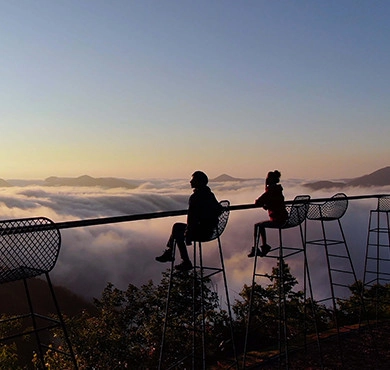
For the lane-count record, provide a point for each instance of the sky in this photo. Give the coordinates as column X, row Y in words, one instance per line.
column 158, row 89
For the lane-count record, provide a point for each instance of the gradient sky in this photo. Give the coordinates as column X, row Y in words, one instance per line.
column 161, row 88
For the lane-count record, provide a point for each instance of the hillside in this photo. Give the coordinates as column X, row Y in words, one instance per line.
column 13, row 299
column 380, row 177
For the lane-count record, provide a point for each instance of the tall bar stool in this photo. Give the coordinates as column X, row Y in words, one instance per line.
column 201, row 274
column 377, row 259
column 29, row 248
column 340, row 269
column 297, row 213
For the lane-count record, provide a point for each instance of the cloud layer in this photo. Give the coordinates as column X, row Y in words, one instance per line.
column 124, row 253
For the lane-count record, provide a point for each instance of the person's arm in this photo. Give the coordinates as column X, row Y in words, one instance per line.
column 192, row 216
column 261, row 200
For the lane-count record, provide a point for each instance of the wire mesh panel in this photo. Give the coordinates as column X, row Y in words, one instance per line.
column 222, row 220
column 332, row 209
column 297, row 211
column 28, row 247
column 384, row 203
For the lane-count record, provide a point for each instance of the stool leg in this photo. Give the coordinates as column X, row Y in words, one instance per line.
column 194, row 296
column 62, row 323
column 32, row 315
column 282, row 305
column 377, row 257
column 250, row 301
column 388, row 229
column 308, row 286
column 228, row 301
column 203, row 315
column 366, row 280
column 332, row 292
column 160, row 362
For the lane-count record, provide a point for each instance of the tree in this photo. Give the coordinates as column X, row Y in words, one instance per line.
column 126, row 331
column 277, row 311
column 9, row 357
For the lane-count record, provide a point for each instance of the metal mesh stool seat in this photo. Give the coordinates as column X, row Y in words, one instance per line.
column 197, row 359
column 29, row 248
column 297, row 213
column 330, row 210
column 377, row 259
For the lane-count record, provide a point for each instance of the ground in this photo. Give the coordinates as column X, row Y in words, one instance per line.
column 364, row 349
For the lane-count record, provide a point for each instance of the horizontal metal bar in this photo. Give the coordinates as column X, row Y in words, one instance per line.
column 341, row 271
column 338, row 256
column 147, row 216
column 378, row 273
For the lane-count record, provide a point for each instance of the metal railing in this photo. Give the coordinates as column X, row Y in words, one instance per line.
column 154, row 215
column 163, row 214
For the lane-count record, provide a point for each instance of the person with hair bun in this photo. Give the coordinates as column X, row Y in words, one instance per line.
column 273, row 201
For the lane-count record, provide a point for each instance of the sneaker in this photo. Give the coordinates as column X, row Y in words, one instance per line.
column 254, row 251
column 264, row 250
column 184, row 266
column 166, row 256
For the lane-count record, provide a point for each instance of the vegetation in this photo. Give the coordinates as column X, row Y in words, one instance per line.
column 124, row 328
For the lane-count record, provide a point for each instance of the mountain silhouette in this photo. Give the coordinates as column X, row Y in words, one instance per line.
column 380, row 177
column 225, row 178
column 4, row 184
column 325, row 185
column 105, row 182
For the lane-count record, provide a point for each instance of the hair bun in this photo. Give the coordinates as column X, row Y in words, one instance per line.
column 277, row 174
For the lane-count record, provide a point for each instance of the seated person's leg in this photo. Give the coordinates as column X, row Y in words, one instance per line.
column 256, row 235
column 177, row 235
column 259, row 232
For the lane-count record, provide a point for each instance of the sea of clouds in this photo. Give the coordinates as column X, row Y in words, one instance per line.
column 124, row 253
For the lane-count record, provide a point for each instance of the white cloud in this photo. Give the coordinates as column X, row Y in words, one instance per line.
column 124, row 253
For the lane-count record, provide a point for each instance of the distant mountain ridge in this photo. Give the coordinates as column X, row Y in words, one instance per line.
column 88, row 181
column 224, row 178
column 380, row 177
column 4, row 184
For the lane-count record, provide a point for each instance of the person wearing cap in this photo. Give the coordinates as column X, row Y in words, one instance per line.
column 202, row 219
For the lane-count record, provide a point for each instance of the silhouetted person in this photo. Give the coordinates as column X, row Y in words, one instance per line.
column 202, row 219
column 273, row 201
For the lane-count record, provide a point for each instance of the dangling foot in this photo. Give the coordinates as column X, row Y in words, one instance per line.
column 166, row 256
column 184, row 266
column 264, row 250
column 254, row 251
